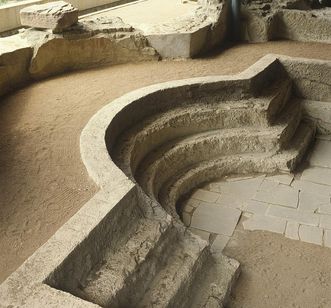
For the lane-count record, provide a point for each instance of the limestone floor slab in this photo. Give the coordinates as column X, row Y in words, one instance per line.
column 281, row 195
column 265, row 223
column 311, row 201
column 292, row 230
column 310, row 234
column 311, row 187
column 215, row 219
column 321, row 156
column 317, row 175
column 205, row 195
column 220, row 242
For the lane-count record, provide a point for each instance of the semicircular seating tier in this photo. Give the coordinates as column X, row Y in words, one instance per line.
column 146, row 151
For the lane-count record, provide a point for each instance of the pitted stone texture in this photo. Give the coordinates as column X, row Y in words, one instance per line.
column 57, row 15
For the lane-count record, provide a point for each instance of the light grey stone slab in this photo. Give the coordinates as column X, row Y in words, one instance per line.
column 301, row 217
column 324, row 209
column 325, row 222
column 311, row 234
column 324, row 137
column 215, row 219
column 321, row 156
column 220, row 243
column 327, row 238
column 205, row 195
column 215, row 187
column 285, row 178
column 317, row 175
column 282, row 195
column 236, row 193
column 292, row 230
column 239, row 178
column 265, row 223
column 311, row 187
column 311, row 201
column 203, row 234
column 256, row 207
column 187, row 217
column 268, row 185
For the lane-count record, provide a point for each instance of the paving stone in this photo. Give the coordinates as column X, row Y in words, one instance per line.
column 265, row 223
column 215, row 187
column 324, row 137
column 205, row 195
column 215, row 219
column 321, row 156
column 219, row 243
column 317, row 175
column 311, row 234
column 187, row 218
column 282, row 195
column 324, row 209
column 268, row 185
column 256, row 207
column 292, row 230
column 327, row 238
column 325, row 222
column 203, row 234
column 301, row 217
column 311, row 187
column 188, row 208
column 232, row 200
column 285, row 179
column 311, row 202
column 235, row 194
column 239, row 178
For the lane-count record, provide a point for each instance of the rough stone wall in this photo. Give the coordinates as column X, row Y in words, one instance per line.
column 295, row 20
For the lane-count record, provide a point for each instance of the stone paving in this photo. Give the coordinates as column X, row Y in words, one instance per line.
column 296, row 205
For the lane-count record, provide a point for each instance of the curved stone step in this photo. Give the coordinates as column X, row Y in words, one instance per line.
column 180, row 153
column 124, row 275
column 191, row 118
column 192, row 177
column 172, row 285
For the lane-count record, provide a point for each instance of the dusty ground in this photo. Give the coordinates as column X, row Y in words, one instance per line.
column 43, row 181
column 279, row 273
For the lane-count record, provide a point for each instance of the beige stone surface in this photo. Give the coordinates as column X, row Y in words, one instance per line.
column 311, row 234
column 56, row 15
column 265, row 223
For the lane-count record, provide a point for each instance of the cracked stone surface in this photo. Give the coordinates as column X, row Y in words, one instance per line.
column 295, row 205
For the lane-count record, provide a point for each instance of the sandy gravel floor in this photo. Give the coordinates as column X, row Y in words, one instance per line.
column 42, row 179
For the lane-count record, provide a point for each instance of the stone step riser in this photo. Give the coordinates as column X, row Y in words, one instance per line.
column 179, row 293
column 137, row 281
column 182, row 156
column 207, row 171
column 179, row 125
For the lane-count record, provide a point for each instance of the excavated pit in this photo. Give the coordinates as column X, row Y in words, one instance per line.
column 127, row 247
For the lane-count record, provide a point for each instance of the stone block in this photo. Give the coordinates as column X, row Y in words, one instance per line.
column 57, row 15
column 220, row 243
column 310, row 234
column 321, row 154
column 310, row 187
column 256, row 207
column 203, row 234
column 282, row 195
column 325, row 222
column 285, row 179
column 205, row 195
column 327, row 238
column 301, row 217
column 311, row 202
column 292, row 230
column 265, row 223
column 215, row 219
column 317, row 175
